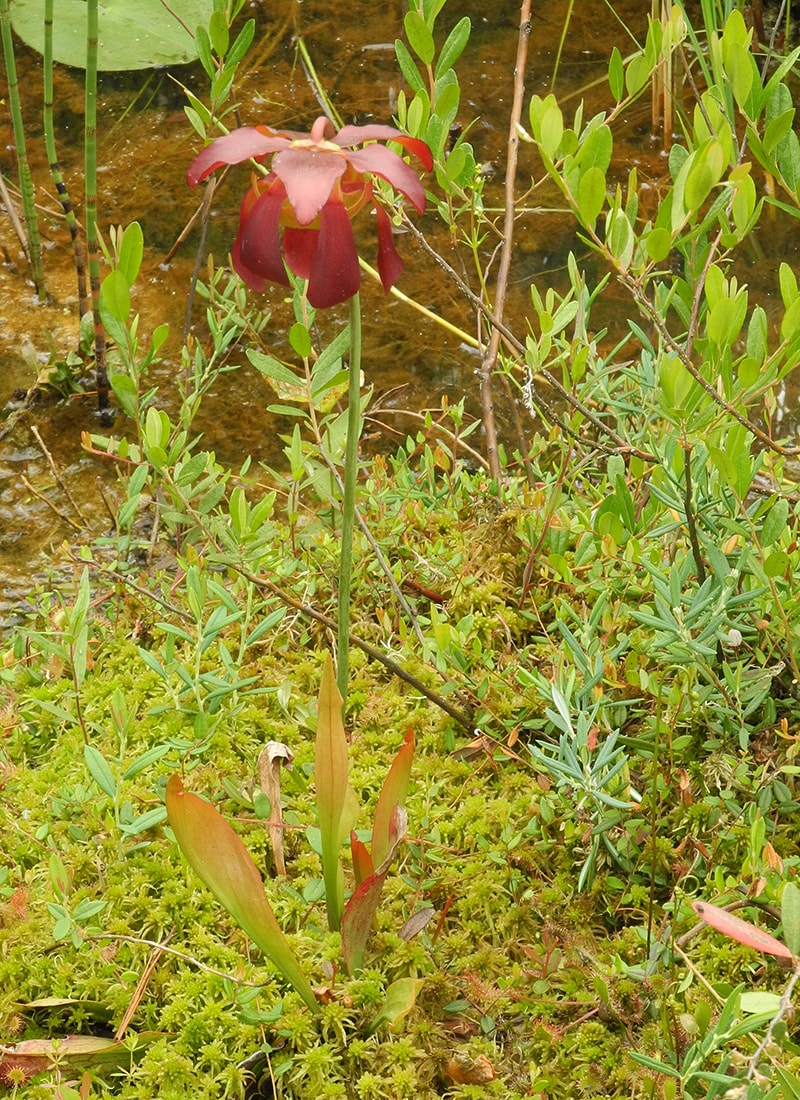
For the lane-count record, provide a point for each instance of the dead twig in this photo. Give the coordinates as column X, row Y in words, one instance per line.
column 490, row 356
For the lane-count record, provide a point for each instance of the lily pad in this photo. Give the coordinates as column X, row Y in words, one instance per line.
column 136, row 35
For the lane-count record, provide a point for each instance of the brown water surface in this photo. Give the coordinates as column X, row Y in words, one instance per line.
column 145, row 146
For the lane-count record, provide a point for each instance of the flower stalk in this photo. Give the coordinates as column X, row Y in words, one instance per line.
column 349, row 501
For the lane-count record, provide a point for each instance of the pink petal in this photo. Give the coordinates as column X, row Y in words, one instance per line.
column 233, row 148
column 257, row 254
column 335, row 274
column 382, row 162
column 355, row 135
column 390, row 266
column 737, row 929
column 309, row 176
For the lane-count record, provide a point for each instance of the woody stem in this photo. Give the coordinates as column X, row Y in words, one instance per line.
column 349, row 503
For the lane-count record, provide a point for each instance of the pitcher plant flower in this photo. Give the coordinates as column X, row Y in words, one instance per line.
column 300, row 213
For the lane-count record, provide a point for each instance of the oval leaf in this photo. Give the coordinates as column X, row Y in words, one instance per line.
column 790, row 917
column 132, row 35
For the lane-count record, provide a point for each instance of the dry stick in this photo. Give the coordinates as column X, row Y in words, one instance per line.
column 621, row 444
column 162, row 947
column 688, row 508
column 141, row 985
column 13, row 216
column 33, row 245
column 61, row 483
column 204, row 212
column 49, row 503
column 490, row 358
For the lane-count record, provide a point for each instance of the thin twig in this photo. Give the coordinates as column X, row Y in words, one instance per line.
column 62, row 484
column 160, row 946
column 784, row 1010
column 41, row 496
column 141, row 986
column 372, row 651
column 621, row 445
column 490, row 357
column 13, row 216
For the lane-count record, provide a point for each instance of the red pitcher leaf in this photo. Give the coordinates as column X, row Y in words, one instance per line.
column 737, row 929
column 219, row 857
column 359, row 912
column 393, row 793
column 362, row 860
column 337, row 805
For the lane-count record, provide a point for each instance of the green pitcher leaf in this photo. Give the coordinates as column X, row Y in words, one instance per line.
column 337, row 806
column 218, row 856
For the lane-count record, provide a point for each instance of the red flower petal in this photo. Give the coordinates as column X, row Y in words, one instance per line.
column 256, row 253
column 355, row 135
column 309, row 176
column 335, row 274
column 233, row 148
column 390, row 266
column 384, row 163
column 299, row 249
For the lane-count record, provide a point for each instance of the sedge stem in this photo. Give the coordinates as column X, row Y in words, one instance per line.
column 55, row 167
column 34, row 244
column 90, row 169
column 349, row 502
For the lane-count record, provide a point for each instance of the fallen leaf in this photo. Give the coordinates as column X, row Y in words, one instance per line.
column 269, row 777
column 463, row 1070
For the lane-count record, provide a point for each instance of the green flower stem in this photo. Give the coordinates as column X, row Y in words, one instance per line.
column 349, row 503
column 25, row 181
